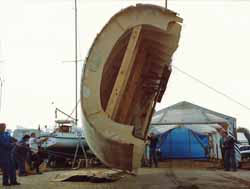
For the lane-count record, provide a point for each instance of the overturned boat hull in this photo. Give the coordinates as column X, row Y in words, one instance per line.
column 125, row 75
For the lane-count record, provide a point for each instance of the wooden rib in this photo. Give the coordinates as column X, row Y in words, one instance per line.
column 124, row 73
column 164, row 55
column 159, row 61
column 134, row 79
column 160, row 38
column 162, row 48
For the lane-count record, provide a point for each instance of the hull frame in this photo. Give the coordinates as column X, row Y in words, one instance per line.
column 114, row 143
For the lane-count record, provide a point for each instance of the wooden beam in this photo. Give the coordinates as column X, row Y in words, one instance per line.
column 134, row 79
column 124, row 73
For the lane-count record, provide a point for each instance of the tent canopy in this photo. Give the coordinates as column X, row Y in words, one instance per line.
column 185, row 113
column 187, row 128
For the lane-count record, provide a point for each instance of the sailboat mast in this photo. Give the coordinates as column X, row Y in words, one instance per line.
column 76, row 60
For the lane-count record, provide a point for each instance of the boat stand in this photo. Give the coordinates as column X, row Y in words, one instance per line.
column 80, row 144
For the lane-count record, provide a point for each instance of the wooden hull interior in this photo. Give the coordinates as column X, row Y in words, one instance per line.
column 125, row 75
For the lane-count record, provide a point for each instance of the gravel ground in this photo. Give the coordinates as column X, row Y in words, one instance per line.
column 148, row 178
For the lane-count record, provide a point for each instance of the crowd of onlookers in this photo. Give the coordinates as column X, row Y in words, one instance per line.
column 18, row 155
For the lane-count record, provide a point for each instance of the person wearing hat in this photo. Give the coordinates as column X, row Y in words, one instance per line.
column 6, row 163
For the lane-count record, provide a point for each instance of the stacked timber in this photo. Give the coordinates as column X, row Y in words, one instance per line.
column 125, row 75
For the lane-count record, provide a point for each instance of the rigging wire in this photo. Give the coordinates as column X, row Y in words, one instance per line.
column 211, row 88
column 199, row 81
column 74, row 109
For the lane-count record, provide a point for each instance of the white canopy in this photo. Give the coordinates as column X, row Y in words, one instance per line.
column 185, row 113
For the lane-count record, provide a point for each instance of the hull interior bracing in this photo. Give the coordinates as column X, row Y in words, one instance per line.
column 125, row 75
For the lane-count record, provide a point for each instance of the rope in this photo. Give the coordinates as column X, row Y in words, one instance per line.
column 212, row 88
column 74, row 109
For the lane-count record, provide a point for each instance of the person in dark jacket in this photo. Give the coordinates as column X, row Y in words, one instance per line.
column 6, row 164
column 152, row 149
column 19, row 154
column 229, row 156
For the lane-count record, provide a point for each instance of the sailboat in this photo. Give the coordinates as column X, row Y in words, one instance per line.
column 125, row 75
column 65, row 136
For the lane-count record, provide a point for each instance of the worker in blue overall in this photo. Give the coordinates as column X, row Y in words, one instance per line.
column 6, row 163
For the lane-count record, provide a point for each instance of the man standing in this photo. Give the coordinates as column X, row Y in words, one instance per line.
column 229, row 157
column 152, row 149
column 6, row 163
column 35, row 147
column 20, row 152
column 222, row 133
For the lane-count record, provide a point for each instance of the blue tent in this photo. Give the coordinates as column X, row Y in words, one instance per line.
column 183, row 143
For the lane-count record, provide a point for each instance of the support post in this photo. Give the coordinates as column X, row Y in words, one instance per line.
column 80, row 144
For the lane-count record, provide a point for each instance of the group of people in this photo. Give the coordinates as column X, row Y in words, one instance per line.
column 14, row 155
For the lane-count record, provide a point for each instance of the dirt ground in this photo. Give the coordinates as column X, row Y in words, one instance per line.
column 149, row 178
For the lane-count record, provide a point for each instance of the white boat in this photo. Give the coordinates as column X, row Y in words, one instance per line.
column 65, row 136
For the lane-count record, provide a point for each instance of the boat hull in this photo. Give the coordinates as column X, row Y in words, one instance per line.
column 63, row 142
column 117, row 101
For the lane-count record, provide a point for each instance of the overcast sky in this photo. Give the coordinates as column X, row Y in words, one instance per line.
column 37, row 36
